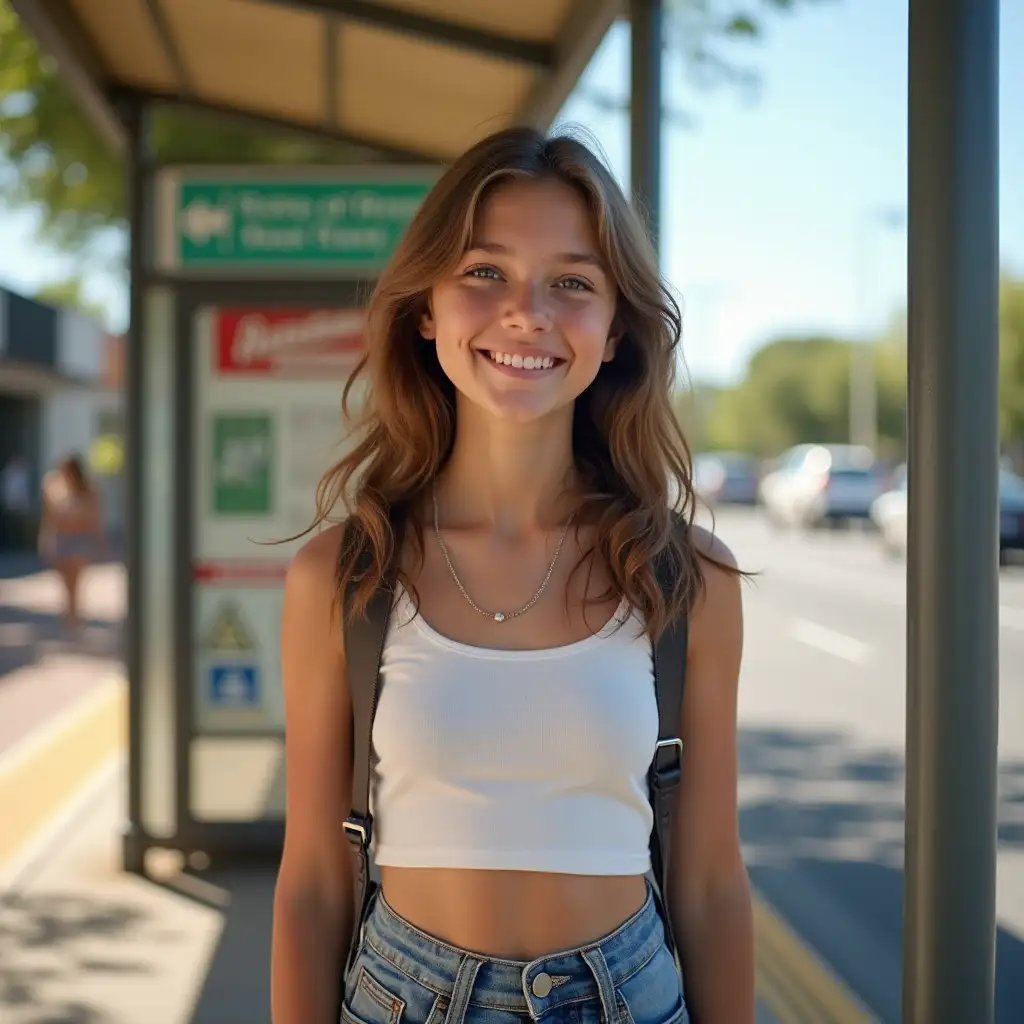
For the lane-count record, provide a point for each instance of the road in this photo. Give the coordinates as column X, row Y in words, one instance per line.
column 822, row 722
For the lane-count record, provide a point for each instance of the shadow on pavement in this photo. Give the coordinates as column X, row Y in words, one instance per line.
column 62, row 954
column 822, row 824
column 49, row 942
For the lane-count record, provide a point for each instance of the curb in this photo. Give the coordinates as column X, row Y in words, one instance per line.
column 44, row 771
column 793, row 982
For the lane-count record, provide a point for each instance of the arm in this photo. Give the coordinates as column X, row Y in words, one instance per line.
column 313, row 897
column 709, row 893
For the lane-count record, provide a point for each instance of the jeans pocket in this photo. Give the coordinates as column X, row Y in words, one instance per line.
column 654, row 995
column 368, row 1000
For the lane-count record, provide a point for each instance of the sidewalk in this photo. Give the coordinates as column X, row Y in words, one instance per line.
column 42, row 671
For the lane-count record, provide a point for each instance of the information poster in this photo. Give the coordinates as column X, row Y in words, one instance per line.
column 268, row 423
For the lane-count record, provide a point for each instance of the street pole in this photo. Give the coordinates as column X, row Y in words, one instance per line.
column 952, row 567
column 646, row 47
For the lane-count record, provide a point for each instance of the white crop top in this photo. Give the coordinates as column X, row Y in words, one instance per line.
column 516, row 760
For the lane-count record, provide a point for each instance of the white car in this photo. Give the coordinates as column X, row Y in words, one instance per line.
column 817, row 484
column 889, row 513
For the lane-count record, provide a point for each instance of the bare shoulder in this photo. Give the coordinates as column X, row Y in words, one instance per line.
column 718, row 614
column 310, row 616
column 312, row 570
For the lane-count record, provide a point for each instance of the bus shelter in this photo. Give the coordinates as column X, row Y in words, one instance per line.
column 245, row 293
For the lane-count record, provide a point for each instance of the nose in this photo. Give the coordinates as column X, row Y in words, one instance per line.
column 525, row 309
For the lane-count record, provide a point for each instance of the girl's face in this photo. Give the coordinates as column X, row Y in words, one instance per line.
column 524, row 321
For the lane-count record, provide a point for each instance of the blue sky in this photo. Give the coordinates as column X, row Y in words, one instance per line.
column 771, row 202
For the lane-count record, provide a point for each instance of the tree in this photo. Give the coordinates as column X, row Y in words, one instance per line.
column 1011, row 363
column 705, row 34
column 797, row 390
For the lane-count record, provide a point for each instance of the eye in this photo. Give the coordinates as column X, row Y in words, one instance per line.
column 483, row 272
column 575, row 284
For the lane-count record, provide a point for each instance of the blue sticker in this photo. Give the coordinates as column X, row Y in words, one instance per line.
column 235, row 686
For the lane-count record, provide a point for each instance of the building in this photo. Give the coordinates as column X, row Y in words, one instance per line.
column 60, row 390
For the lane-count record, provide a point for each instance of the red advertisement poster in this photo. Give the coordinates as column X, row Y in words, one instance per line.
column 287, row 342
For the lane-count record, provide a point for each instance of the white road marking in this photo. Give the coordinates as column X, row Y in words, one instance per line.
column 830, row 641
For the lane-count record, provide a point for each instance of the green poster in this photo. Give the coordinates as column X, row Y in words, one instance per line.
column 242, row 456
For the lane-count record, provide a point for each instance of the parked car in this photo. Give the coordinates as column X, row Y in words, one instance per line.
column 889, row 514
column 817, row 484
column 726, row 478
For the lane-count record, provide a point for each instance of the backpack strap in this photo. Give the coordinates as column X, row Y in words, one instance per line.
column 669, row 656
column 364, row 645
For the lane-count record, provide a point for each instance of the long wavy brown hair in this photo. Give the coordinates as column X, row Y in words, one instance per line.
column 633, row 466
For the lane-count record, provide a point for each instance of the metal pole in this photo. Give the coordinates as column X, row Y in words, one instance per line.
column 133, row 833
column 646, row 46
column 952, row 571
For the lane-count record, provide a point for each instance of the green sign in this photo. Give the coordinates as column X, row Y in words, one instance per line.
column 242, row 455
column 345, row 224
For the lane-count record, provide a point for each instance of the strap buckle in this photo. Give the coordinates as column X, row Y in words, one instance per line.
column 359, row 831
column 667, row 766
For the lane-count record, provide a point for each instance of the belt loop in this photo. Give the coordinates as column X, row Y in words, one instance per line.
column 463, row 989
column 605, row 986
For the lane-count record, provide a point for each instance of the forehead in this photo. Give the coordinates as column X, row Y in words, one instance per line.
column 535, row 215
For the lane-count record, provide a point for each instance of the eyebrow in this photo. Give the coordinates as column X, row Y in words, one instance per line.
column 585, row 258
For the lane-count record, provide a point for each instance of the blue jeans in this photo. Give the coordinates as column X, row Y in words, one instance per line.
column 403, row 976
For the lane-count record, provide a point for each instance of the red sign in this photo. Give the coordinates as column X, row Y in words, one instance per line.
column 288, row 342
column 239, row 571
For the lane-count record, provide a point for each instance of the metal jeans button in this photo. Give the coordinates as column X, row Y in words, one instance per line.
column 541, row 985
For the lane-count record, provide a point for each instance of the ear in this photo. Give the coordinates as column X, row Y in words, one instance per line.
column 428, row 329
column 611, row 345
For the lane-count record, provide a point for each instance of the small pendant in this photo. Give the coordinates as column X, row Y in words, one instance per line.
column 499, row 616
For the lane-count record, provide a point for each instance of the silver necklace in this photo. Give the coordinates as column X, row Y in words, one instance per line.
column 496, row 616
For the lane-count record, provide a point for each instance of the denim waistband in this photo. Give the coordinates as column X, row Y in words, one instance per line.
column 533, row 987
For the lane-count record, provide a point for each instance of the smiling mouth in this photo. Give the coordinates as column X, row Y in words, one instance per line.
column 521, row 362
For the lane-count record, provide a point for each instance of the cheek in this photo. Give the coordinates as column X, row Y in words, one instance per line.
column 587, row 330
column 460, row 315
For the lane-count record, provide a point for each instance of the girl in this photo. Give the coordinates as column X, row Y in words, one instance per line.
column 514, row 472
column 71, row 534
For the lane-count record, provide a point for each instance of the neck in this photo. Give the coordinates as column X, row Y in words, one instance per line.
column 510, row 476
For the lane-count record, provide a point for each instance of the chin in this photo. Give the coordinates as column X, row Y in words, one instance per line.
column 522, row 409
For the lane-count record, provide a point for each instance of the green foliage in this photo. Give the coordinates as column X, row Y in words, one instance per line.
column 1011, row 360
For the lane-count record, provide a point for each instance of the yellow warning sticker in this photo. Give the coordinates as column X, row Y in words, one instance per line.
column 229, row 632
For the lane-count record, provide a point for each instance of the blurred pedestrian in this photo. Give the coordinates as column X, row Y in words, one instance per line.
column 71, row 534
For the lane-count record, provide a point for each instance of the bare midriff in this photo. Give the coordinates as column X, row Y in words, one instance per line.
column 512, row 915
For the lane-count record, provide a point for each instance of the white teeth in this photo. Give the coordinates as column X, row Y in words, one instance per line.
column 523, row 362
